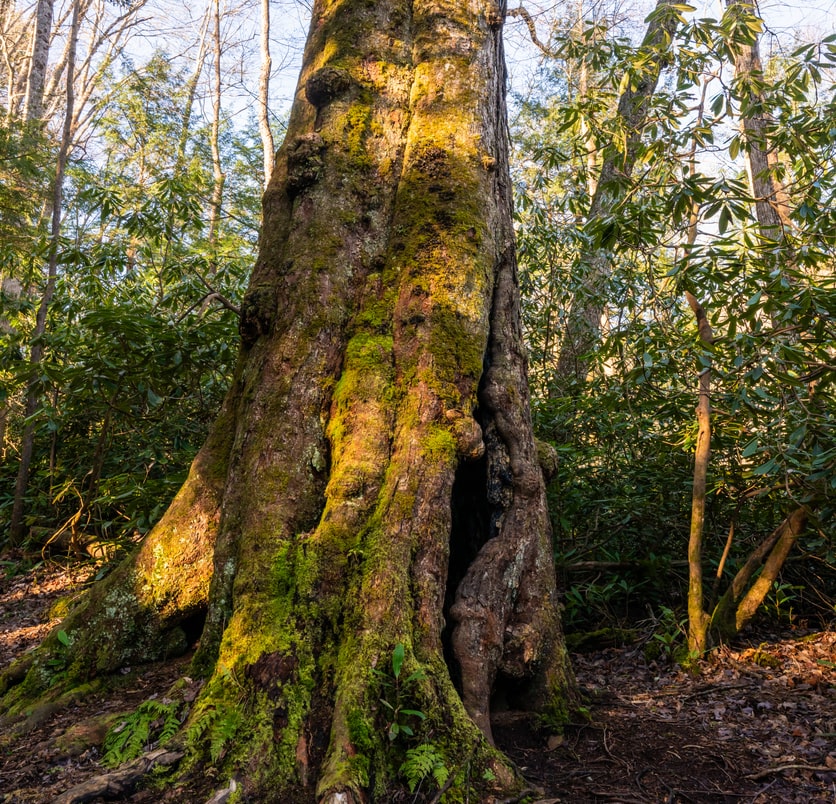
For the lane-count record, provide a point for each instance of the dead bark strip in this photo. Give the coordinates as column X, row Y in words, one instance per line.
column 119, row 783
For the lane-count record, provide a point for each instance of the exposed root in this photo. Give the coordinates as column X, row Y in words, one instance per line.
column 120, row 782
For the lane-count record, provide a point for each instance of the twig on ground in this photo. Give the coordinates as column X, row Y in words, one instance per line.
column 792, row 766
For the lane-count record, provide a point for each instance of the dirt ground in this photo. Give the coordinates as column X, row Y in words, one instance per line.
column 757, row 724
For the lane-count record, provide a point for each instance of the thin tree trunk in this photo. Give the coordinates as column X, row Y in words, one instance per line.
column 372, row 484
column 4, row 419
column 109, row 39
column 10, row 287
column 592, row 172
column 697, row 618
column 94, row 476
column 771, row 204
column 583, row 320
column 592, row 169
column 185, row 128
column 8, row 47
column 33, row 395
column 264, row 129
column 191, row 91
column 735, row 609
column 218, row 177
column 39, row 56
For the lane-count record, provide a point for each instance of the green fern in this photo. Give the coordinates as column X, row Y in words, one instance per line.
column 223, row 730
column 218, row 726
column 151, row 722
column 424, row 762
column 196, row 731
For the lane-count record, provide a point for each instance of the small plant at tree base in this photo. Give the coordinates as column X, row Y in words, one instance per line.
column 424, row 762
column 779, row 603
column 397, row 692
column 58, row 664
column 151, row 722
column 668, row 636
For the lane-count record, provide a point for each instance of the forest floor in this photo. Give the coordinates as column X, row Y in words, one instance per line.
column 757, row 723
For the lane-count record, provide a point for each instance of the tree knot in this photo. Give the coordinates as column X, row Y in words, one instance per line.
column 467, row 434
column 304, row 162
column 258, row 310
column 325, row 85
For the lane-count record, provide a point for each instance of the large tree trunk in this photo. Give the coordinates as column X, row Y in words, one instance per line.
column 373, row 479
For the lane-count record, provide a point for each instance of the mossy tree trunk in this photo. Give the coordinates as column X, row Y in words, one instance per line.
column 372, row 480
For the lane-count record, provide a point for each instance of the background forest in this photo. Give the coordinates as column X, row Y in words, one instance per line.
column 675, row 180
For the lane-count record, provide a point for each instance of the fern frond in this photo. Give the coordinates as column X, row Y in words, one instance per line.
column 223, row 730
column 424, row 762
column 152, row 721
column 198, row 729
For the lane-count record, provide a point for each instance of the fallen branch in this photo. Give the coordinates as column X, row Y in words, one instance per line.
column 118, row 783
column 794, row 766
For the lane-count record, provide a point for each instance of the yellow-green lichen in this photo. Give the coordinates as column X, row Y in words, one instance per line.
column 439, row 444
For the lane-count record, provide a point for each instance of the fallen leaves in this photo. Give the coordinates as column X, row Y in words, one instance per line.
column 757, row 722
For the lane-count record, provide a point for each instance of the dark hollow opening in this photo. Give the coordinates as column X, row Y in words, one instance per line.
column 192, row 625
column 469, row 531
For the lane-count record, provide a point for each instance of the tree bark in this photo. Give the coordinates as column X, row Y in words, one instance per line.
column 373, row 479
column 218, row 176
column 697, row 618
column 39, row 55
column 264, row 129
column 10, row 288
column 736, row 607
column 185, row 126
column 771, row 203
column 12, row 41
